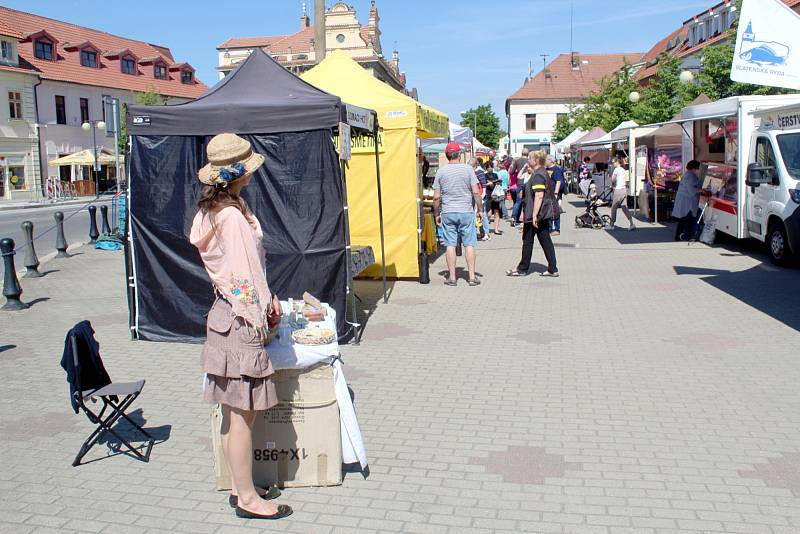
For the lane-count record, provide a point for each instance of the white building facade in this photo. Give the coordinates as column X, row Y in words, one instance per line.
column 556, row 91
column 343, row 32
column 534, row 121
column 19, row 150
column 56, row 76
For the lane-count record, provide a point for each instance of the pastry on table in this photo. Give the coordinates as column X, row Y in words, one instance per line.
column 314, row 336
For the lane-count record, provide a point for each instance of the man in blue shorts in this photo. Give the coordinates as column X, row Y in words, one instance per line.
column 457, row 205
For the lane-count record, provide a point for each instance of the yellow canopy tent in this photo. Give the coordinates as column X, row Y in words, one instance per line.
column 86, row 157
column 403, row 120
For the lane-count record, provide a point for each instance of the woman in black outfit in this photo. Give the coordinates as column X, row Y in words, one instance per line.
column 493, row 209
column 533, row 196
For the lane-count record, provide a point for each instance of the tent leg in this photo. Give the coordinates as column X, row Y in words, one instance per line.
column 380, row 211
column 350, row 296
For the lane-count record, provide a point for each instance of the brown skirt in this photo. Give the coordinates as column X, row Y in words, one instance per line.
column 238, row 370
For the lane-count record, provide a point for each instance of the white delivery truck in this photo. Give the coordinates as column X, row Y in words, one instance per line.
column 749, row 148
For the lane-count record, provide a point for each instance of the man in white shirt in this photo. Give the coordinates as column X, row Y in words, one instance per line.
column 619, row 179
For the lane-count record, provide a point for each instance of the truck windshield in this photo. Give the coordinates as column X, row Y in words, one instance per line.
column 789, row 145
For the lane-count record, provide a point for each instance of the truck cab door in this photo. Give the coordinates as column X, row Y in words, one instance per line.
column 759, row 197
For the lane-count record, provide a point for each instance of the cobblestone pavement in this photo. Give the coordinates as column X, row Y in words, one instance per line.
column 652, row 388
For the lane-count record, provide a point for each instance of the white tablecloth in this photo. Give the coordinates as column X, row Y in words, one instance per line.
column 296, row 356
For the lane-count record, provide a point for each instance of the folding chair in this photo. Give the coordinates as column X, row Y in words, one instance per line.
column 116, row 398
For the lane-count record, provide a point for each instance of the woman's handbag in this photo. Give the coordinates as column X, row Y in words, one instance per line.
column 550, row 209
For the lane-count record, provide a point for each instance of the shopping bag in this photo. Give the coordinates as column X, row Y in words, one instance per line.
column 709, row 232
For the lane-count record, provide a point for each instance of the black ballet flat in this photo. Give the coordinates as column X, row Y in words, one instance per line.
column 272, row 493
column 283, row 511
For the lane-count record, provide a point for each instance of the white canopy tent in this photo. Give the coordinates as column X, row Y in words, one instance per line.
column 459, row 134
column 562, row 147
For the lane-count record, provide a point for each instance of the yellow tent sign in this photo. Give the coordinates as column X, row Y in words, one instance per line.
column 363, row 144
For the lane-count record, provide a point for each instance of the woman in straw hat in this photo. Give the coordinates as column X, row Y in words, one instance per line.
column 238, row 370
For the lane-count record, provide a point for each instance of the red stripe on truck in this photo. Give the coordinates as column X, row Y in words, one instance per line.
column 727, row 206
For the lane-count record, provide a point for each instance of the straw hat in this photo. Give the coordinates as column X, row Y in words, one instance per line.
column 230, row 158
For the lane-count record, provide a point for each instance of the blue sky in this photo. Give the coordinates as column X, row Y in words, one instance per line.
column 458, row 54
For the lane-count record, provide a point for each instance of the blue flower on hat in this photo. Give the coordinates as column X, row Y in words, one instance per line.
column 237, row 170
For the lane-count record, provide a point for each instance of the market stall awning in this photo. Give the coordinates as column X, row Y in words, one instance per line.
column 603, row 141
column 594, row 133
column 622, row 131
column 86, row 157
column 459, row 134
column 565, row 143
column 241, row 103
column 341, row 75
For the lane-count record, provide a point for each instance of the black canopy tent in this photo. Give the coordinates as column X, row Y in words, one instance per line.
column 299, row 195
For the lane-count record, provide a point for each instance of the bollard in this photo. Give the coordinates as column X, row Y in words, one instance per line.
column 424, row 270
column 458, row 247
column 61, row 241
column 104, row 218
column 11, row 288
column 31, row 260
column 93, row 233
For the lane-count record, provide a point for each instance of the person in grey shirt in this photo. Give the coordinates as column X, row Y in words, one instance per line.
column 687, row 201
column 457, row 205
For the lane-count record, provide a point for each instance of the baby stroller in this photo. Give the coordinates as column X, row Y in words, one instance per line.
column 590, row 218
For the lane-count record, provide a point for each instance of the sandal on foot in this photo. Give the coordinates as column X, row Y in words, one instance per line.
column 272, row 493
column 548, row 274
column 283, row 511
column 514, row 272
column 451, row 283
column 474, row 282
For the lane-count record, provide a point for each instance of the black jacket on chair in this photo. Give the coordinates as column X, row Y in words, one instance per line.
column 93, row 373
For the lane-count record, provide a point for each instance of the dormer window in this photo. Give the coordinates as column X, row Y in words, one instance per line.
column 160, row 71
column 89, row 58
column 128, row 65
column 6, row 51
column 43, row 50
column 187, row 77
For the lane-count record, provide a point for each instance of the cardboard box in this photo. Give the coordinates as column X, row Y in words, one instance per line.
column 297, row 443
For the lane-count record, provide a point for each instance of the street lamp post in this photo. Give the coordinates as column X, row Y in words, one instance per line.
column 94, row 126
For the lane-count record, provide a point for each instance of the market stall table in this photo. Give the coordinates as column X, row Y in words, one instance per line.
column 285, row 354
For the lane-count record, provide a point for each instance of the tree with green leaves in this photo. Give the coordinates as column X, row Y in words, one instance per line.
column 666, row 95
column 151, row 97
column 563, row 127
column 488, row 124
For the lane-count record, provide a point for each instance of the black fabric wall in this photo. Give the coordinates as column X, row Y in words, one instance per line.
column 297, row 196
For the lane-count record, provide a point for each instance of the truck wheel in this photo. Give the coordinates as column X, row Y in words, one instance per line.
column 777, row 244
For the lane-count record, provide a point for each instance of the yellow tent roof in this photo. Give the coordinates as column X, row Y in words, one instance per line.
column 86, row 157
column 342, row 76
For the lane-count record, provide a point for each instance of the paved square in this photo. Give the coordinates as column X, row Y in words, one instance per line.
column 652, row 388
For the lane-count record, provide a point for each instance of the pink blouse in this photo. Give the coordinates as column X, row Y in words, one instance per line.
column 231, row 250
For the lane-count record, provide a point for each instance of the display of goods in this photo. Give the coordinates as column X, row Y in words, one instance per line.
column 314, row 336
column 313, row 314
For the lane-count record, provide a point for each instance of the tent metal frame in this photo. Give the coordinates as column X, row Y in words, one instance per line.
column 351, row 295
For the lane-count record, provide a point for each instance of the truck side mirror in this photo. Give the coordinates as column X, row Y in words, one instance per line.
column 758, row 174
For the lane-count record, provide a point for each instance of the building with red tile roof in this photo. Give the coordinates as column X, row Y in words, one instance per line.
column 77, row 68
column 561, row 86
column 19, row 149
column 343, row 32
column 704, row 29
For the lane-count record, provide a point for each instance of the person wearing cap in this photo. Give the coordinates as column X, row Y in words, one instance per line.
column 238, row 371
column 457, row 204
